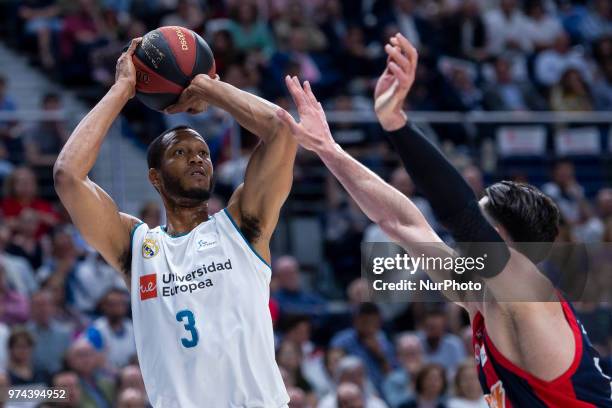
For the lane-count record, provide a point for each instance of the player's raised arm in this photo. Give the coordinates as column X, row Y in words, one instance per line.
column 391, row 210
column 256, row 204
column 92, row 210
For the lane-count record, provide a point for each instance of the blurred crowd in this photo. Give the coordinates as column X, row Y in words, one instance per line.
column 64, row 313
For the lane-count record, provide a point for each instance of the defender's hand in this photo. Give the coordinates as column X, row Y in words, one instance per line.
column 193, row 98
column 313, row 131
column 125, row 71
column 395, row 82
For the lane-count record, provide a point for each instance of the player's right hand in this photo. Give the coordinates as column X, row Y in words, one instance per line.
column 125, row 71
column 312, row 132
column 395, row 82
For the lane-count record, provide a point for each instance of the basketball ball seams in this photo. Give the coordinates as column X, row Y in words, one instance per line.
column 182, row 45
column 156, row 53
column 145, row 77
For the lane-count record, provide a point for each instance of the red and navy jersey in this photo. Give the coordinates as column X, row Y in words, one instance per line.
column 505, row 385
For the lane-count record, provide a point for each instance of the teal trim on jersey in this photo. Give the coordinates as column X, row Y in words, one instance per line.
column 163, row 228
column 243, row 237
column 132, row 233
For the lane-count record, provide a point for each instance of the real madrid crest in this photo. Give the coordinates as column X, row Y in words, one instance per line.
column 150, row 248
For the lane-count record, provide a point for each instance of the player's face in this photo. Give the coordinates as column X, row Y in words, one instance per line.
column 187, row 170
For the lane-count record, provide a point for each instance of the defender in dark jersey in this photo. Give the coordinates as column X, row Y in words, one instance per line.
column 530, row 354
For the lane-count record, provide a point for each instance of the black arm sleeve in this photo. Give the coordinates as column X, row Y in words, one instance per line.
column 449, row 195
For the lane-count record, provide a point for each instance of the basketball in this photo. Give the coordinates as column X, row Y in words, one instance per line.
column 166, row 61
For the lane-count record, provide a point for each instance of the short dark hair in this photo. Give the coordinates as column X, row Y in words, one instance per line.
column 527, row 214
column 20, row 332
column 422, row 374
column 156, row 149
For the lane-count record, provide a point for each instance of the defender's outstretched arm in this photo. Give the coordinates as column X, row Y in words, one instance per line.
column 391, row 210
column 92, row 210
column 256, row 204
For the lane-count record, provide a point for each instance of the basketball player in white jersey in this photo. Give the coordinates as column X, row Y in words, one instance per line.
column 199, row 284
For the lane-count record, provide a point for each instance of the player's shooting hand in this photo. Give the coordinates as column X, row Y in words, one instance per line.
column 193, row 98
column 125, row 72
column 395, row 82
column 312, row 132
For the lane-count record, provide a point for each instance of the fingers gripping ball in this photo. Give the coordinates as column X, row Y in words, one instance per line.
column 166, row 61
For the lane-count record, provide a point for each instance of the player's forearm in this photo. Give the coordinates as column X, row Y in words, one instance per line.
column 381, row 203
column 255, row 114
column 80, row 152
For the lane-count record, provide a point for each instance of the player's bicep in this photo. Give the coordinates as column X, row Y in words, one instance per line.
column 268, row 180
column 97, row 218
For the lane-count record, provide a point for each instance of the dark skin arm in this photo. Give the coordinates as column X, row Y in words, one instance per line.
column 256, row 204
column 92, row 210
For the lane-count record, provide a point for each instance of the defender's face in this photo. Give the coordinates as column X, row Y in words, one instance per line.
column 186, row 166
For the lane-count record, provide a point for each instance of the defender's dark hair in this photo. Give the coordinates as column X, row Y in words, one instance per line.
column 526, row 213
column 367, row 308
column 156, row 149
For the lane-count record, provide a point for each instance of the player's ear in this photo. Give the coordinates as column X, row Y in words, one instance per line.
column 154, row 178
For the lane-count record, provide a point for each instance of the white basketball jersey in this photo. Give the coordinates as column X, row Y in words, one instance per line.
column 201, row 320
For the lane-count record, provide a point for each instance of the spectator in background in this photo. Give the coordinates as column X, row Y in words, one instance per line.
column 24, row 242
column 14, row 306
column 349, row 395
column 465, row 32
column 44, row 141
column 21, row 370
column 398, row 384
column 297, row 398
column 19, row 273
column 130, row 376
column 249, row 32
column 150, row 214
column 551, row 64
column 571, row 93
column 430, row 386
column 41, row 18
column 367, row 341
column 350, row 370
column 473, row 176
column 542, row 27
column 598, row 21
column 602, row 87
column 69, row 381
column 291, row 297
column 225, row 53
column 604, row 204
column 84, row 31
column 506, row 28
column 11, row 147
column 508, row 94
column 332, row 24
column 113, row 332
column 294, row 17
column 468, row 393
column 62, row 262
column 65, row 314
column 565, row 190
column 289, row 356
column 324, row 383
column 131, row 398
column 403, row 17
column 21, row 193
column 463, row 85
column 357, row 60
column 188, row 14
column 440, row 346
column 97, row 390
column 50, row 337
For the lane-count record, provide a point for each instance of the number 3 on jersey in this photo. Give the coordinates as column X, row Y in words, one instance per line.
column 189, row 326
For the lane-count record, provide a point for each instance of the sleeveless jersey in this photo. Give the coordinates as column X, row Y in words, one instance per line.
column 583, row 385
column 202, row 324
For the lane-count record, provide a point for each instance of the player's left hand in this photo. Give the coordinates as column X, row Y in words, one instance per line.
column 312, row 132
column 193, row 98
column 395, row 82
